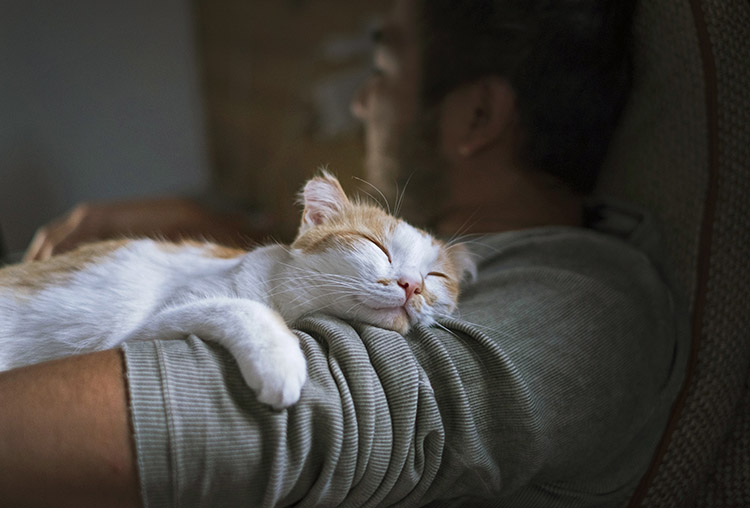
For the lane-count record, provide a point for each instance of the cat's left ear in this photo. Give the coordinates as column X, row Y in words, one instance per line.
column 463, row 261
column 323, row 198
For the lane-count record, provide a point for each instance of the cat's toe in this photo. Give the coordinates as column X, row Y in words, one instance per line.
column 285, row 389
column 280, row 386
column 282, row 396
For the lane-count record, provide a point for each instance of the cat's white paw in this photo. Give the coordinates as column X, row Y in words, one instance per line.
column 278, row 372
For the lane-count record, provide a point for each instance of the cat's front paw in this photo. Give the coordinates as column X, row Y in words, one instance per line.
column 278, row 375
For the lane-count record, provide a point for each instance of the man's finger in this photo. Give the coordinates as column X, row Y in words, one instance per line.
column 36, row 245
column 49, row 238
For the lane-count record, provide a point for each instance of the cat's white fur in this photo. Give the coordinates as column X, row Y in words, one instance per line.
column 145, row 290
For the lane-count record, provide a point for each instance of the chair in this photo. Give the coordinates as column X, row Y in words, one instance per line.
column 683, row 150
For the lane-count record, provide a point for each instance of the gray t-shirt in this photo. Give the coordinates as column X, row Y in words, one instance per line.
column 551, row 387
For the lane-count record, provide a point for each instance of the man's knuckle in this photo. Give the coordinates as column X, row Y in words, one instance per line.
column 81, row 210
column 42, row 233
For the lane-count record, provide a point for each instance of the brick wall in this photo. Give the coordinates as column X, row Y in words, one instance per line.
column 276, row 75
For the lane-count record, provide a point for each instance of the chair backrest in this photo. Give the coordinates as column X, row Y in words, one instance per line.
column 683, row 151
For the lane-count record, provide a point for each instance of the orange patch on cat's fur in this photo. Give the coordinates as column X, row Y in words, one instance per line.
column 36, row 275
column 400, row 323
column 451, row 268
column 223, row 252
column 210, row 249
column 358, row 221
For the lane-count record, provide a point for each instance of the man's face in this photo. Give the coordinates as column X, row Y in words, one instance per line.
column 401, row 134
column 387, row 104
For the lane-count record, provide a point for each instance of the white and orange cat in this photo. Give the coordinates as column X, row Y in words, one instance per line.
column 350, row 260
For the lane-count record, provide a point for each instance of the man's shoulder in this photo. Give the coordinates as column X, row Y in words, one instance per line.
column 619, row 247
column 566, row 271
column 570, row 249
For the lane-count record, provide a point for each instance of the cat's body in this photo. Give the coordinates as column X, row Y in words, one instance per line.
column 104, row 294
column 352, row 261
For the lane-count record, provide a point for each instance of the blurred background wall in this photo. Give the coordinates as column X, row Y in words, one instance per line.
column 98, row 100
column 278, row 77
column 107, row 100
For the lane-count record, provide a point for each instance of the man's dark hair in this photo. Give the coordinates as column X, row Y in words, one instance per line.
column 568, row 61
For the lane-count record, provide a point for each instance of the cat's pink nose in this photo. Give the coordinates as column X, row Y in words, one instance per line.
column 411, row 286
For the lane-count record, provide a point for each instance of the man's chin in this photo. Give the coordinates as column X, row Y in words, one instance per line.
column 409, row 171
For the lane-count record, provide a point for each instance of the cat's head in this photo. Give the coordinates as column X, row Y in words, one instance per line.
column 358, row 262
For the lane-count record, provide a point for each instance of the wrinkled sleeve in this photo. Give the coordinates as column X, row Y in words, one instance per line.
column 546, row 378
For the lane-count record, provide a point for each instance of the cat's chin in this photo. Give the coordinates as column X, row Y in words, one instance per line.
column 392, row 318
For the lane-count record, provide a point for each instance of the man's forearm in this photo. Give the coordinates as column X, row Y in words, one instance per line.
column 65, row 437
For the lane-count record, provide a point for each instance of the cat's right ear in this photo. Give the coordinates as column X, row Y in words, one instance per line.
column 323, row 198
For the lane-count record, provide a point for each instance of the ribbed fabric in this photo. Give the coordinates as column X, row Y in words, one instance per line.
column 148, row 413
column 551, row 388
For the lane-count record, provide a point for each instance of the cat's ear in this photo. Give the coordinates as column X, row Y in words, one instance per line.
column 323, row 198
column 463, row 261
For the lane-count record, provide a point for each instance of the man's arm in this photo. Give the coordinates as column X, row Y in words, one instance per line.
column 170, row 218
column 65, row 437
column 558, row 387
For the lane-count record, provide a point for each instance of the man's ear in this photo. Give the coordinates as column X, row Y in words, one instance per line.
column 477, row 115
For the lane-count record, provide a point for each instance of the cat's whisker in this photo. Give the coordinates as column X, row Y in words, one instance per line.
column 311, row 276
column 284, row 247
column 376, row 200
column 400, row 197
column 466, row 226
column 466, row 318
column 385, row 200
column 308, row 299
column 304, row 294
column 323, row 282
column 464, row 239
column 305, row 275
column 446, row 329
column 479, row 358
column 356, row 305
column 322, row 307
column 292, row 284
column 310, row 271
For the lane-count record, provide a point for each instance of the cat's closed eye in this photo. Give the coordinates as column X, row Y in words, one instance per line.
column 379, row 246
column 437, row 274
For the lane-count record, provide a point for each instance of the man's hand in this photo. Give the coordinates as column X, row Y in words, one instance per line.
column 83, row 224
column 169, row 218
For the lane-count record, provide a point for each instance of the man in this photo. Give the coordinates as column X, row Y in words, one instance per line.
column 551, row 389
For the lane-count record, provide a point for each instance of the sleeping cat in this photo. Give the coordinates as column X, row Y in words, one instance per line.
column 350, row 260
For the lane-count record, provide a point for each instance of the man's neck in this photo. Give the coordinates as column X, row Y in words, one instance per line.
column 490, row 200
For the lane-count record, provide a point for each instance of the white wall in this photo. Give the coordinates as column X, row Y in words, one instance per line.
column 99, row 99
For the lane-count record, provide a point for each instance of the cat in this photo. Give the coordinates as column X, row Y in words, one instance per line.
column 350, row 259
